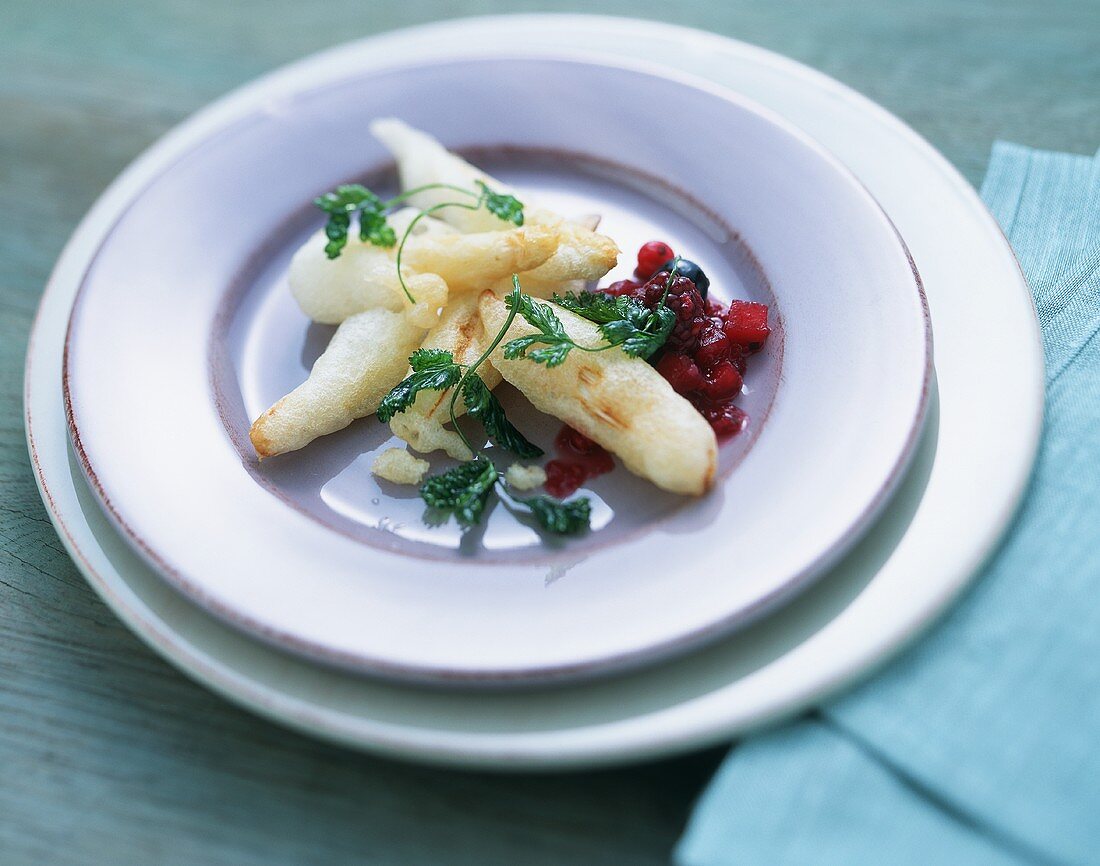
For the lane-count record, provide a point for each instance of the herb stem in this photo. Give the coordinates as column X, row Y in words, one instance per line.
column 408, row 233
column 409, row 193
column 481, row 360
column 668, row 282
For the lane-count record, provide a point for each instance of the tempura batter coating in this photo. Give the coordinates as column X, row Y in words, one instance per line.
column 366, row 358
column 618, row 401
column 435, row 265
column 582, row 254
column 398, row 466
column 421, row 425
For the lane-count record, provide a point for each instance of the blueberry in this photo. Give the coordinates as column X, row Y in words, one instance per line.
column 692, row 271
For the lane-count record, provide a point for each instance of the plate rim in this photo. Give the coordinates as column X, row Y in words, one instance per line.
column 454, row 750
column 200, row 135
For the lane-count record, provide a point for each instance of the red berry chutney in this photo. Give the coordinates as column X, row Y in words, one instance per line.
column 703, row 359
column 706, row 354
column 581, row 459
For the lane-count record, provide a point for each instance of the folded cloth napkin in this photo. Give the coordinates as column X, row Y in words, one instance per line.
column 981, row 744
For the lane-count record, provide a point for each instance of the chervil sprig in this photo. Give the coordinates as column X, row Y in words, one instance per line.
column 506, row 207
column 432, row 370
column 623, row 321
column 482, row 404
column 354, row 200
column 562, row 518
column 464, row 490
column 551, row 333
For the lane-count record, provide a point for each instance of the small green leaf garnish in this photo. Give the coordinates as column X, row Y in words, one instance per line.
column 462, row 491
column 597, row 307
column 482, row 404
column 350, row 199
column 640, row 335
column 561, row 518
column 539, row 315
column 374, row 229
column 433, row 370
column 552, row 355
column 552, row 333
column 623, row 321
column 506, row 207
column 346, row 201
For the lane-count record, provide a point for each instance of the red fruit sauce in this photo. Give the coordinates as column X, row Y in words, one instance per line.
column 581, row 460
column 706, row 355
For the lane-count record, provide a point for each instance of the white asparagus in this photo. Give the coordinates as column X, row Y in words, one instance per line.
column 618, row 401
column 471, row 262
column 364, row 361
column 364, row 277
column 421, row 425
column 421, row 160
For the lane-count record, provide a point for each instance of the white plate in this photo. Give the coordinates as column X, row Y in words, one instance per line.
column 309, row 552
column 970, row 471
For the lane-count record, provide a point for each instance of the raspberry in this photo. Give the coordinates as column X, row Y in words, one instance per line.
column 651, row 257
column 686, row 302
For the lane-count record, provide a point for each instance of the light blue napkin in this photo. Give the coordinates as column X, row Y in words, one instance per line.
column 981, row 744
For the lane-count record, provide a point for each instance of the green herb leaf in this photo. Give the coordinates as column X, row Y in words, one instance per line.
column 624, row 321
column 518, row 347
column 539, row 315
column 561, row 518
column 348, row 198
column 433, row 370
column 595, row 306
column 375, row 229
column 640, row 339
column 552, row 355
column 482, row 404
column 462, row 491
column 551, row 332
column 506, row 207
column 341, row 204
column 336, row 230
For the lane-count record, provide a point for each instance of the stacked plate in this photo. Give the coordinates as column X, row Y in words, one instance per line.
column 866, row 491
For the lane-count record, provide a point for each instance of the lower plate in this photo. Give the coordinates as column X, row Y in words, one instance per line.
column 969, row 473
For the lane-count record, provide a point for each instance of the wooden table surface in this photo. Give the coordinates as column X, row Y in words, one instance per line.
column 107, row 754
